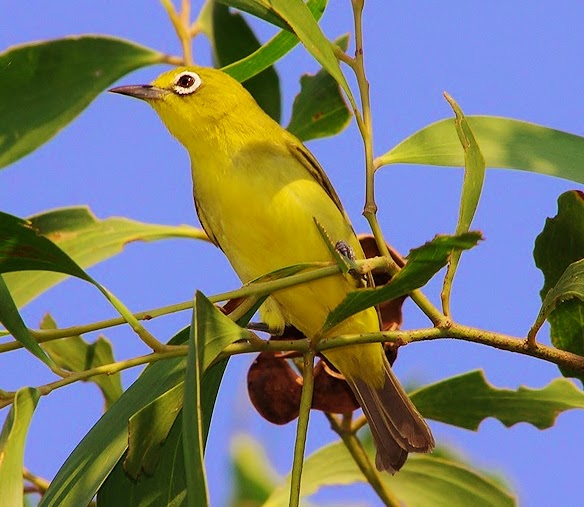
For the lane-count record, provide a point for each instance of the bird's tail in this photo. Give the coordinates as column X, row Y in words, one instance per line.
column 396, row 425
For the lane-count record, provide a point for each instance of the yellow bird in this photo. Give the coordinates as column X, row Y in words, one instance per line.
column 259, row 193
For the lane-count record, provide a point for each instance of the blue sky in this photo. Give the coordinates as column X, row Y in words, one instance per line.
column 514, row 59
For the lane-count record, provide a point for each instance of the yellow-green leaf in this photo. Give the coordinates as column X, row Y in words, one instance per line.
column 504, row 143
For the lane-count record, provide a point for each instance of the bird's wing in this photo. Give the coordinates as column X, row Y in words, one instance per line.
column 307, row 159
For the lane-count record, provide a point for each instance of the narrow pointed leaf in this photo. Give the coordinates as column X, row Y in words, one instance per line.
column 232, row 39
column 297, row 15
column 211, row 332
column 12, row 321
column 87, row 467
column 260, row 9
column 270, row 52
column 319, row 110
column 148, row 429
column 504, row 143
column 166, row 484
column 165, row 487
column 88, row 240
column 12, row 440
column 472, row 186
column 422, row 264
column 192, row 416
column 558, row 246
column 49, row 83
column 22, row 248
column 468, row 399
column 75, row 354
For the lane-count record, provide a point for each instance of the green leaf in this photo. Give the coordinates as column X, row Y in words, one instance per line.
column 271, row 51
column 86, row 468
column 86, row 239
column 424, row 480
column 298, row 16
column 254, row 478
column 260, row 9
column 232, row 39
column 468, row 399
column 148, row 428
column 12, row 440
column 22, row 248
column 570, row 286
column 192, row 416
column 165, row 481
column 559, row 245
column 14, row 324
column 319, row 110
column 472, row 186
column 211, row 332
column 99, row 452
column 49, row 83
column 75, row 354
column 166, row 485
column 504, row 142
column 422, row 264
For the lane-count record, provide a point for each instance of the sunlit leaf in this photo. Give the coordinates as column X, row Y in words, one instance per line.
column 88, row 240
column 211, row 332
column 166, row 483
column 75, row 354
column 298, row 16
column 260, row 9
column 504, row 142
column 50, row 82
column 12, row 440
column 474, row 176
column 271, row 51
column 86, row 468
column 424, row 480
column 148, row 429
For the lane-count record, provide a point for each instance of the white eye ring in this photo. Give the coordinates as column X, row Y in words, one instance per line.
column 186, row 83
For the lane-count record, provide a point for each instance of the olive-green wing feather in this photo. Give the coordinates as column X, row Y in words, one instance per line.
column 301, row 153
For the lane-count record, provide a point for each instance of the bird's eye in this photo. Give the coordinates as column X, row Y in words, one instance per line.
column 186, row 83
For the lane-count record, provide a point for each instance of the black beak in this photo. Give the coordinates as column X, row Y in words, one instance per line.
column 143, row 92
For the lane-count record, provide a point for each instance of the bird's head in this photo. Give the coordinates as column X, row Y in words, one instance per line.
column 194, row 101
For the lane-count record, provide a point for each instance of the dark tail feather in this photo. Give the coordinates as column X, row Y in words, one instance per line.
column 396, row 425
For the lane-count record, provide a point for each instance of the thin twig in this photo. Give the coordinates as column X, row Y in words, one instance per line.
column 302, row 427
column 107, row 369
column 353, row 445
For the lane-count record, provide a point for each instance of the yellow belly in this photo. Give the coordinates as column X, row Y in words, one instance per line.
column 263, row 219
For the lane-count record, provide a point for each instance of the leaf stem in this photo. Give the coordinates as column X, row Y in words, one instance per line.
column 253, row 289
column 182, row 26
column 302, row 427
column 106, row 369
column 353, row 445
column 460, row 332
